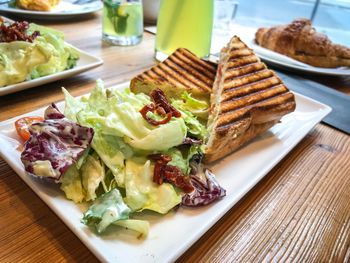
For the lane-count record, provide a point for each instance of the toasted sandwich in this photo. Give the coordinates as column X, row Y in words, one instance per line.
column 247, row 99
column 181, row 71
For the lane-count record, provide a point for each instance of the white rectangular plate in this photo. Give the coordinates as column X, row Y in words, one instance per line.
column 85, row 63
column 174, row 233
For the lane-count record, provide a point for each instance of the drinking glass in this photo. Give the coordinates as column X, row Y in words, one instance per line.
column 122, row 22
column 184, row 23
column 224, row 14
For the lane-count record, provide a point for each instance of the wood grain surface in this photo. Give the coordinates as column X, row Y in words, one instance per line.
column 299, row 212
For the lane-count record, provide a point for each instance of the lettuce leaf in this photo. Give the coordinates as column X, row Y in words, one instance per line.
column 72, row 105
column 51, row 42
column 113, row 152
column 142, row 193
column 194, row 126
column 17, row 60
column 72, row 186
column 199, row 108
column 162, row 138
column 106, row 210
column 181, row 158
column 140, row 226
column 92, row 173
column 116, row 113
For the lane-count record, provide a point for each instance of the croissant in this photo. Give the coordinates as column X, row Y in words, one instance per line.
column 299, row 40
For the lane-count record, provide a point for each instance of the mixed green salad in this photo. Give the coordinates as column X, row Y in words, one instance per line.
column 29, row 51
column 123, row 153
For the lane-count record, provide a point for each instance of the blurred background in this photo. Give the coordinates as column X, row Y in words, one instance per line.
column 329, row 16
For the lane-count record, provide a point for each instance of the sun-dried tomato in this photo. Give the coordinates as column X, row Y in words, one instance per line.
column 151, row 108
column 160, row 99
column 16, row 31
column 161, row 158
column 169, row 173
column 161, row 106
column 174, row 175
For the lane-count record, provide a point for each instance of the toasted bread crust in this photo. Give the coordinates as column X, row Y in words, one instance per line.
column 240, row 133
column 181, row 71
column 247, row 100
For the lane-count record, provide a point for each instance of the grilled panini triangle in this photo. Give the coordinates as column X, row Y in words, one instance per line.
column 181, row 71
column 247, row 100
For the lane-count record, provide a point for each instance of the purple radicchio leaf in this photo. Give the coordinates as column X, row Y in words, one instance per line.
column 54, row 145
column 52, row 112
column 206, row 191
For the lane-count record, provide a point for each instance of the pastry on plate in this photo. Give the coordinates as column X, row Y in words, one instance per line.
column 300, row 41
column 37, row 5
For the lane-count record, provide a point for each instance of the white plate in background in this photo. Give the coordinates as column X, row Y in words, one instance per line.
column 85, row 63
column 171, row 235
column 282, row 61
column 65, row 9
column 247, row 34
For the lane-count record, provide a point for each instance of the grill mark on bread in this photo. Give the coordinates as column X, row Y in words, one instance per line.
column 249, row 88
column 240, row 53
column 245, row 69
column 246, row 80
column 161, row 71
column 221, row 129
column 182, row 69
column 230, row 117
column 268, row 104
column 242, row 61
column 176, row 72
column 196, row 74
column 151, row 75
column 252, row 98
column 211, row 67
column 196, row 67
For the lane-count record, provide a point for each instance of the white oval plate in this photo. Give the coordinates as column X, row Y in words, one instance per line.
column 281, row 61
column 247, row 34
column 65, row 9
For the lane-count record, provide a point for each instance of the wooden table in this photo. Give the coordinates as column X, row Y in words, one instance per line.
column 300, row 211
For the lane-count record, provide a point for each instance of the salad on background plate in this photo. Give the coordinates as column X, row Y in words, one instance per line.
column 32, row 55
column 50, row 9
column 29, row 51
column 122, row 153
